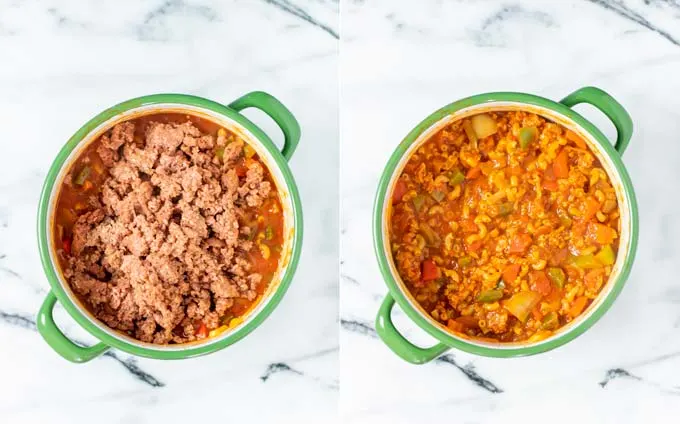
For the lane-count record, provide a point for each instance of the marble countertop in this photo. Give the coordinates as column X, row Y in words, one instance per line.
column 63, row 61
column 401, row 61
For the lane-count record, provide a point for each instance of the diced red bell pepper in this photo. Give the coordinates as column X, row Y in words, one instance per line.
column 520, row 243
column 202, row 330
column 600, row 233
column 469, row 226
column 429, row 270
column 540, row 283
column 510, row 273
column 455, row 326
column 573, row 137
column 399, row 191
column 561, row 165
column 66, row 245
column 475, row 246
column 241, row 170
column 591, row 208
column 473, row 173
column 578, row 306
column 550, row 185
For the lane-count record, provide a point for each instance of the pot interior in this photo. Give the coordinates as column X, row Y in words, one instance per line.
column 608, row 165
column 265, row 155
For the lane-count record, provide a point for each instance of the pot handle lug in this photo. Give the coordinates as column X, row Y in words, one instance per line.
column 58, row 341
column 398, row 343
column 278, row 112
column 610, row 107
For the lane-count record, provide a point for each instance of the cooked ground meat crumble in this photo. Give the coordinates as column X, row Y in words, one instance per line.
column 159, row 252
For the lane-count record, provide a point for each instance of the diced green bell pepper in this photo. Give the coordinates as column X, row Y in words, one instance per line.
column 488, row 296
column 527, row 136
column 418, row 202
column 557, row 276
column 82, row 176
column 456, row 177
column 505, row 209
column 465, row 261
column 550, row 322
column 431, row 237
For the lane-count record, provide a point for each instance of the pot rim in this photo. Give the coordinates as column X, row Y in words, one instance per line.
column 393, row 281
column 192, row 105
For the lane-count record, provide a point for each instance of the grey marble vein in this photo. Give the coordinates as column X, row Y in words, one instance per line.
column 25, row 283
column 133, row 368
column 489, row 33
column 291, row 8
column 469, row 371
column 403, row 25
column 170, row 7
column 153, row 26
column 358, row 327
column 64, row 21
column 18, row 320
column 282, row 367
column 619, row 373
column 616, row 373
column 10, row 272
column 277, row 368
column 654, row 360
column 508, row 12
column 349, row 279
column 129, row 364
column 315, row 354
column 626, row 12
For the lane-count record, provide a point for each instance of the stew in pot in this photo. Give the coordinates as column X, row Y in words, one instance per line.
column 169, row 228
column 504, row 226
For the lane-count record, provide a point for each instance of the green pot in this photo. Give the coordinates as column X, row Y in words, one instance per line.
column 609, row 156
column 226, row 116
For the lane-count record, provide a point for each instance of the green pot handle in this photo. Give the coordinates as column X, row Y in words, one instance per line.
column 610, row 107
column 58, row 341
column 278, row 112
column 399, row 345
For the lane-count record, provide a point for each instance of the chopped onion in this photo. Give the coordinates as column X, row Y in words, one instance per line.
column 484, row 125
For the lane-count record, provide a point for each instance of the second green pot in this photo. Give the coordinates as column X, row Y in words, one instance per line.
column 560, row 112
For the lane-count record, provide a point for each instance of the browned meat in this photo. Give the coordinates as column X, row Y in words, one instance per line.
column 162, row 250
column 121, row 134
column 255, row 188
column 109, row 156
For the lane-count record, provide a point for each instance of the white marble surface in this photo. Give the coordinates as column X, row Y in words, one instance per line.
column 61, row 62
column 401, row 60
